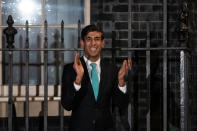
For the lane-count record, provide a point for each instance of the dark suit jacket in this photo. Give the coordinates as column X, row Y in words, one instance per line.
column 87, row 113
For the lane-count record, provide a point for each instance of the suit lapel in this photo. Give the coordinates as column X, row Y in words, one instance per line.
column 86, row 82
column 86, row 75
column 101, row 79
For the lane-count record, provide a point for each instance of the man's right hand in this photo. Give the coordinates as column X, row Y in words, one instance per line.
column 78, row 69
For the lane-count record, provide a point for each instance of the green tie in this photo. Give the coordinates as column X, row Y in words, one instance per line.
column 95, row 81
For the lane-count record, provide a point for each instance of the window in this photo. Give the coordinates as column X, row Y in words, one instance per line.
column 36, row 12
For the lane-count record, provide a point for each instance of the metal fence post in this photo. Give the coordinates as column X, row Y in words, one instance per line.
column 62, row 66
column 10, row 32
column 27, row 79
column 45, row 76
column 183, row 92
column 165, row 115
column 148, row 78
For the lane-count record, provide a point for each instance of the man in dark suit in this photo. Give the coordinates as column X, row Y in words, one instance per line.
column 90, row 85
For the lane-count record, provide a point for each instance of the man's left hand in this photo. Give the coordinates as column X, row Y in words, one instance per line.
column 123, row 72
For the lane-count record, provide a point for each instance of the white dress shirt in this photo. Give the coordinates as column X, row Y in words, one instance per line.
column 98, row 69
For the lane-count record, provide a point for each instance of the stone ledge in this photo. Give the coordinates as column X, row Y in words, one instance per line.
column 23, row 99
column 34, row 91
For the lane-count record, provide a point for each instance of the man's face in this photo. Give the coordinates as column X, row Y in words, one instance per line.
column 92, row 45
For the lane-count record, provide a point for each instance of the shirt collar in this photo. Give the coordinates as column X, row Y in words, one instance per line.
column 88, row 62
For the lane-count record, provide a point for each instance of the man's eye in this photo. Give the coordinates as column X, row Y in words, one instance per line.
column 88, row 39
column 97, row 39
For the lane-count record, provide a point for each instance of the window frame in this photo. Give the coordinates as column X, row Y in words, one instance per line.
column 19, row 91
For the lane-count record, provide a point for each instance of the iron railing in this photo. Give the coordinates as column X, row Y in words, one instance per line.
column 183, row 72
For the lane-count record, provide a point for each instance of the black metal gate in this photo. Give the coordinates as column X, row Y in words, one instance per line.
column 183, row 63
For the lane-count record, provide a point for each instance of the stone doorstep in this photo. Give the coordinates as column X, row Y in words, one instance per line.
column 34, row 91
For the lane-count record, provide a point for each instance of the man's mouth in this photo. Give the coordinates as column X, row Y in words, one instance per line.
column 93, row 48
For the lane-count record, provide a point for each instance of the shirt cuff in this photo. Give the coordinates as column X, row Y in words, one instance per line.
column 123, row 88
column 77, row 87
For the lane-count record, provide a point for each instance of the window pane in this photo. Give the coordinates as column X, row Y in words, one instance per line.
column 54, row 41
column 19, row 58
column 56, row 10
column 70, row 41
column 22, row 10
column 70, row 36
column 70, row 11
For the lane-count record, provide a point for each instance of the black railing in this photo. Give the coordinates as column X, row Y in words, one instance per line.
column 10, row 31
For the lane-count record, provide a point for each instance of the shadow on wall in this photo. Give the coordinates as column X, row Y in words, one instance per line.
column 192, row 23
column 156, row 82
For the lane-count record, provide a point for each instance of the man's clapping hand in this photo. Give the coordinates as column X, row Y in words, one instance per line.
column 78, row 69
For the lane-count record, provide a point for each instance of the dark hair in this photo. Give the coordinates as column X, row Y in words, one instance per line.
column 90, row 28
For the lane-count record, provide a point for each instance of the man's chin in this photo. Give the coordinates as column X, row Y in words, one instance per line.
column 93, row 56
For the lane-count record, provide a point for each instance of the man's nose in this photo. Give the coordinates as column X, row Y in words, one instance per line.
column 93, row 41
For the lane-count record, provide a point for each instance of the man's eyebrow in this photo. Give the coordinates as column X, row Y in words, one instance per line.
column 93, row 37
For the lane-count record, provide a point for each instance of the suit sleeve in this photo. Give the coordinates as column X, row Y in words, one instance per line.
column 70, row 98
column 120, row 99
column 67, row 89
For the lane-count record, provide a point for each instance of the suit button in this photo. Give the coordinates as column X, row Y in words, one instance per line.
column 94, row 121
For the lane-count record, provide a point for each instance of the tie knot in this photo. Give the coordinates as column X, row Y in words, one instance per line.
column 93, row 65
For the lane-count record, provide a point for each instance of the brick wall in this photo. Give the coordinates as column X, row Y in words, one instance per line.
column 112, row 16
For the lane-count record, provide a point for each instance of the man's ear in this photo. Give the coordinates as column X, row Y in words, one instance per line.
column 103, row 43
column 82, row 43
